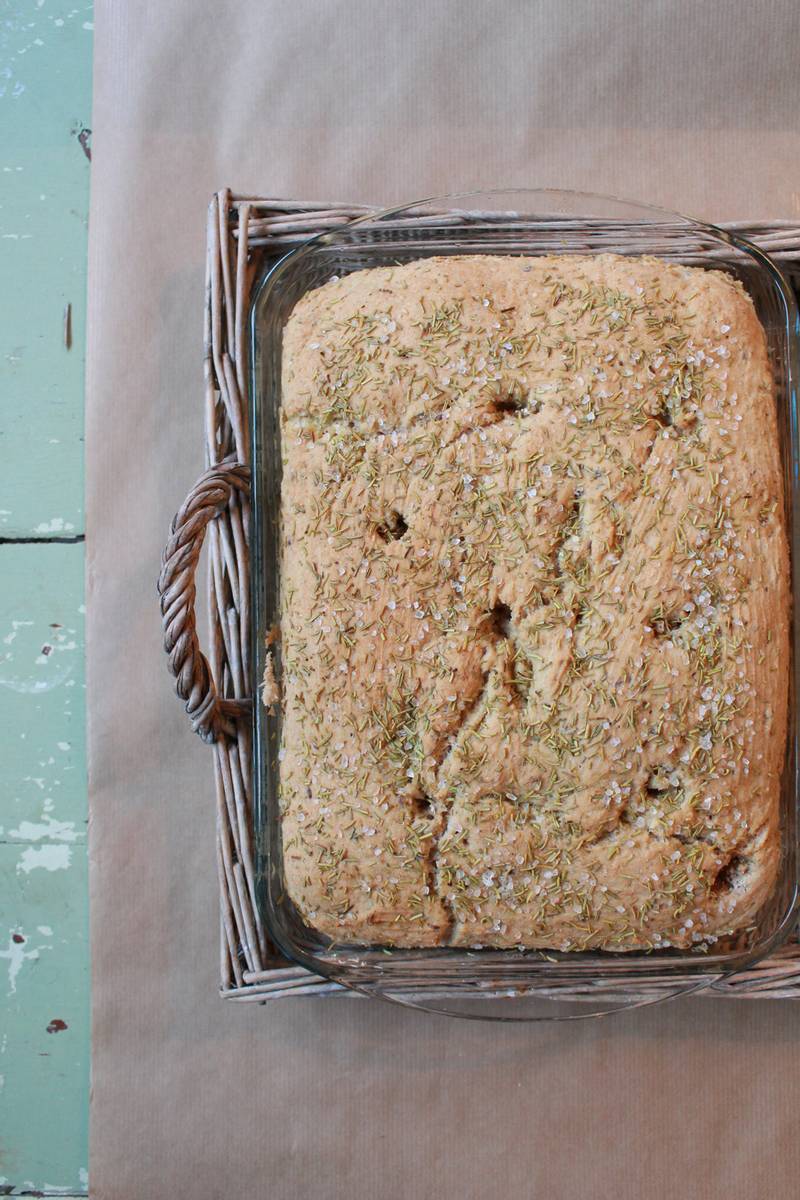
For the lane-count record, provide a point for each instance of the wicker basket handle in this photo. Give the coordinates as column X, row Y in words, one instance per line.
column 212, row 715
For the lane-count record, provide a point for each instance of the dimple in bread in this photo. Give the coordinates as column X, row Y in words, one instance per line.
column 534, row 605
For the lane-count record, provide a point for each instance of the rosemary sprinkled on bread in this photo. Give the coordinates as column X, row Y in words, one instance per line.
column 534, row 605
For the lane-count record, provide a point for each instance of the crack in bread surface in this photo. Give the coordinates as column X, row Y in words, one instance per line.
column 534, row 598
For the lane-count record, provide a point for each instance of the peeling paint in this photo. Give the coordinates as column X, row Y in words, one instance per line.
column 85, row 140
column 15, row 628
column 54, row 525
column 31, row 686
column 48, row 858
column 57, row 831
column 23, row 673
column 16, row 959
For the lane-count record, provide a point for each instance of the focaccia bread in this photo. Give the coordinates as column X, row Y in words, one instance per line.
column 534, row 605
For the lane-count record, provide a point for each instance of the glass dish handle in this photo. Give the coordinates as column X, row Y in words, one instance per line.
column 212, row 716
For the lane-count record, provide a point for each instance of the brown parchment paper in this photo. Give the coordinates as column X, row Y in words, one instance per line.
column 684, row 104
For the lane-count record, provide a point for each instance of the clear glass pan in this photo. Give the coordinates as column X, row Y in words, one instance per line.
column 480, row 983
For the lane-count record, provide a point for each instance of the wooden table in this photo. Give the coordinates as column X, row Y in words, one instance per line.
column 45, row 147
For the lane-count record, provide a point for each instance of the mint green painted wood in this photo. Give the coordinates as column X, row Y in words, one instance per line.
column 45, row 1028
column 45, row 101
column 43, row 776
column 45, row 98
column 45, row 977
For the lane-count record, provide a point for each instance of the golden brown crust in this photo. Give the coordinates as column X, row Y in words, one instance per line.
column 534, row 605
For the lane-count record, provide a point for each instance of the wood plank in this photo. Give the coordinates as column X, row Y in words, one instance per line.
column 45, row 105
column 42, row 737
column 45, row 109
column 44, row 953
column 44, row 995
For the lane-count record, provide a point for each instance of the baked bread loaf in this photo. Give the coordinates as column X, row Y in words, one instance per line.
column 534, row 611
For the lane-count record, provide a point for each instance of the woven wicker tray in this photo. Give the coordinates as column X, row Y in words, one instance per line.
column 243, row 233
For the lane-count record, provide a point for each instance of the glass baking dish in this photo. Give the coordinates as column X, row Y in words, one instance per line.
column 531, row 222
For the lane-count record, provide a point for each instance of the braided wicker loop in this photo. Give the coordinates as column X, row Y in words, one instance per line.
column 212, row 716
